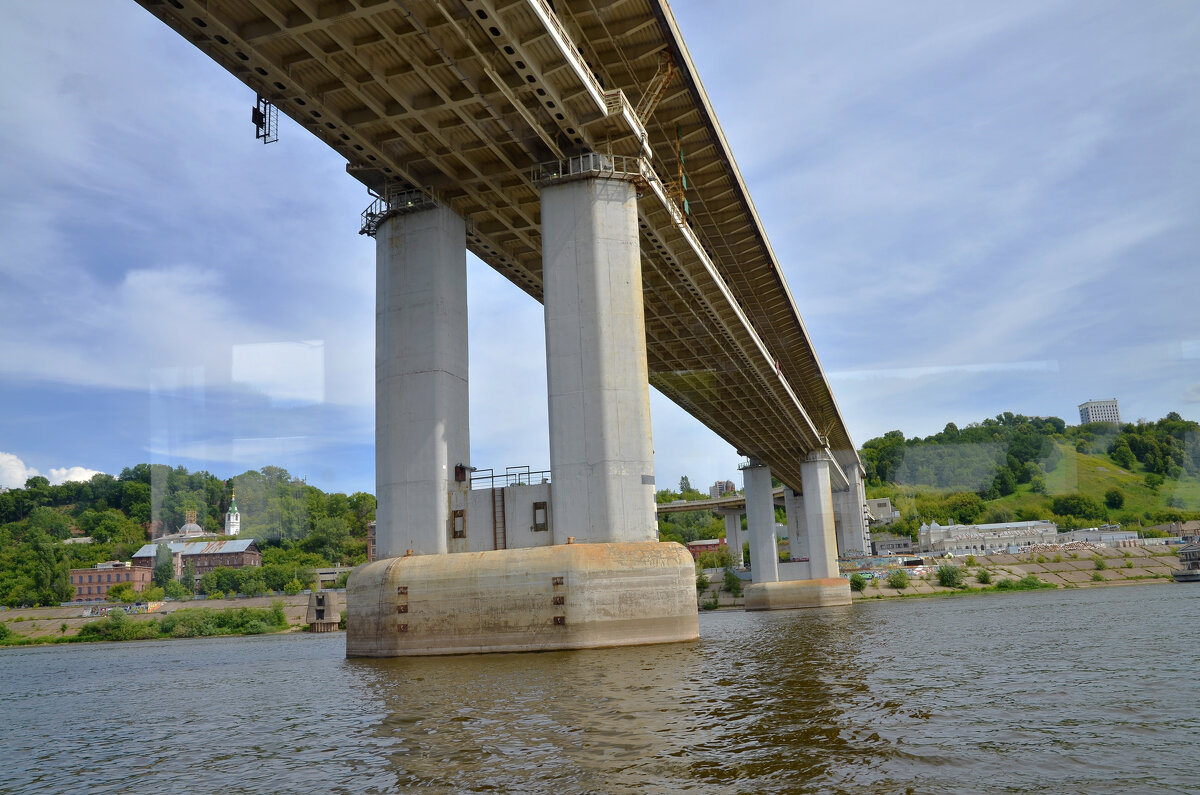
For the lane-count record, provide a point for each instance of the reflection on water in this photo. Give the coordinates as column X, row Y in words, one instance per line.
column 1051, row 692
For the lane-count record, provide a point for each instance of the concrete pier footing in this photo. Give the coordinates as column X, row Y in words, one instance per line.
column 793, row 594
column 571, row 596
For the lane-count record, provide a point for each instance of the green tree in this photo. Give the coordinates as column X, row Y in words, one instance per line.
column 164, row 566
column 858, row 582
column 949, row 576
column 1078, row 505
column 188, row 578
column 175, row 590
column 898, row 579
column 1114, row 498
column 732, row 583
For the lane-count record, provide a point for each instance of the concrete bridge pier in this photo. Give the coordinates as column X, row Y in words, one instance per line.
column 825, row 586
column 852, row 535
column 421, row 395
column 793, row 507
column 760, row 521
column 606, row 580
column 733, row 536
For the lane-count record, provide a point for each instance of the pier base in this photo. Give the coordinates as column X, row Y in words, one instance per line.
column 793, row 594
column 570, row 596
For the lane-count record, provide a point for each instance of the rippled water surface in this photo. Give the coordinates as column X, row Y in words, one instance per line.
column 1064, row 691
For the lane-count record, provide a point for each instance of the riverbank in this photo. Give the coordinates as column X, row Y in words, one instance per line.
column 1098, row 567
column 1060, row 569
column 45, row 624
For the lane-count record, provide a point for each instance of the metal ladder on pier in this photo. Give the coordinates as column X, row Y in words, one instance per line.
column 498, row 534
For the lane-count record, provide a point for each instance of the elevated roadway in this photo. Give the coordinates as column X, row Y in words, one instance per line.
column 473, row 103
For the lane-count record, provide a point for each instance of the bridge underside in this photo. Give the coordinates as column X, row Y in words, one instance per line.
column 465, row 100
column 574, row 149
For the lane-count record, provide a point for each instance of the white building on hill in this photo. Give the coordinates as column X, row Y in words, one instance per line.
column 1099, row 411
column 973, row 539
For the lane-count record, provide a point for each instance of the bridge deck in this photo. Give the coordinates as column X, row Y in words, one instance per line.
column 465, row 99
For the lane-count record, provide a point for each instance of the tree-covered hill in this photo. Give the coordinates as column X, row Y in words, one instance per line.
column 1013, row 467
column 297, row 526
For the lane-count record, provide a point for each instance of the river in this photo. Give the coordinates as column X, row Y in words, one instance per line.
column 1082, row 690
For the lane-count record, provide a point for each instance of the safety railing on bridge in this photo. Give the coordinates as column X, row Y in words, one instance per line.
column 399, row 202
column 594, row 164
column 511, row 476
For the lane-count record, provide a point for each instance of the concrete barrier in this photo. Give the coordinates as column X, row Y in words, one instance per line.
column 571, row 596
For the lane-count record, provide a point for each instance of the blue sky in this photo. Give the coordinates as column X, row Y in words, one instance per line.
column 978, row 207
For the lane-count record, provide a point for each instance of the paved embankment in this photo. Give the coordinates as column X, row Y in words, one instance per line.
column 1073, row 567
column 1082, row 567
column 38, row 622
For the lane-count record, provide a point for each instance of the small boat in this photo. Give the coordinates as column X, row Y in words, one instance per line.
column 1189, row 556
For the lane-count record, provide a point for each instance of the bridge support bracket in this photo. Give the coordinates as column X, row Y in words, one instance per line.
column 570, row 596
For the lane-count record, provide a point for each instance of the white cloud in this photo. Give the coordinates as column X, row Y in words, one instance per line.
column 58, row 476
column 13, row 472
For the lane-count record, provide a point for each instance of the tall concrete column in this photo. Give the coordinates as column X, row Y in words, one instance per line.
column 793, row 506
column 733, row 536
column 601, row 458
column 856, row 534
column 760, row 518
column 818, row 514
column 421, row 423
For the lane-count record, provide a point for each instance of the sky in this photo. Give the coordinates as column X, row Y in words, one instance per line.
column 978, row 207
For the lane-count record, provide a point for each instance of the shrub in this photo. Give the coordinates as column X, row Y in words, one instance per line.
column 701, row 581
column 342, row 620
column 4, row 630
column 153, row 594
column 949, row 576
column 293, row 587
column 177, row 590
column 217, row 595
column 1097, row 577
column 971, row 560
column 1129, row 564
column 1114, row 498
column 732, row 583
column 898, row 579
column 984, row 576
column 858, row 582
column 1100, row 564
column 712, row 603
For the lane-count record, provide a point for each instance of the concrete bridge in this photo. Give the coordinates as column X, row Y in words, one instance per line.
column 571, row 146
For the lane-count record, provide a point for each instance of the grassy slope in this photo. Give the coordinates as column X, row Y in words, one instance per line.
column 1092, row 475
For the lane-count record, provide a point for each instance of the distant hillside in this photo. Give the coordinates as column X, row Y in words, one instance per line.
column 297, row 526
column 1013, row 467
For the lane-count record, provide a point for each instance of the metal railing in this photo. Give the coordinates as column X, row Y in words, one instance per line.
column 408, row 200
column 512, row 476
column 594, row 164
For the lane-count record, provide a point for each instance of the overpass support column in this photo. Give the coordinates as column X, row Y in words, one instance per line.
column 825, row 586
column 760, row 518
column 852, row 534
column 617, row 586
column 421, row 423
column 601, row 457
column 818, row 514
column 793, row 506
column 733, row 536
